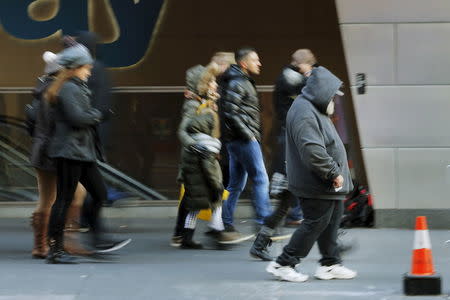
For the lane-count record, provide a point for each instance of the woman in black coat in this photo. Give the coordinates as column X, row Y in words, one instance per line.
column 75, row 150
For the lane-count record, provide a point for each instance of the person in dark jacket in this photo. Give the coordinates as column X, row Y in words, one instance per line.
column 74, row 149
column 45, row 166
column 241, row 125
column 287, row 87
column 99, row 83
column 319, row 175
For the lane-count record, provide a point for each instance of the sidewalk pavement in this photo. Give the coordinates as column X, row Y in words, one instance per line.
column 149, row 268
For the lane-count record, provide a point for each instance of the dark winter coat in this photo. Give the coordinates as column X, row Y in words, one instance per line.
column 99, row 83
column 43, row 127
column 202, row 176
column 288, row 86
column 75, row 119
column 239, row 106
column 315, row 154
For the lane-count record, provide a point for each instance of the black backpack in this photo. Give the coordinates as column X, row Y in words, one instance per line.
column 358, row 209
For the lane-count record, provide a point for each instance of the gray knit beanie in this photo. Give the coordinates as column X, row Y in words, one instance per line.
column 74, row 57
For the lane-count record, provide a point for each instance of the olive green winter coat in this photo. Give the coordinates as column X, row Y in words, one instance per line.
column 202, row 176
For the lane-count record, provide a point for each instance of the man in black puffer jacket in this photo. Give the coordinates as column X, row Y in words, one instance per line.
column 240, row 116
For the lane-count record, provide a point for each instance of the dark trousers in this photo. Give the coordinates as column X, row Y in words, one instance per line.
column 321, row 222
column 69, row 173
column 181, row 218
column 286, row 201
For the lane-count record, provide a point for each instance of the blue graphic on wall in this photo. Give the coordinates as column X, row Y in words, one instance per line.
column 136, row 20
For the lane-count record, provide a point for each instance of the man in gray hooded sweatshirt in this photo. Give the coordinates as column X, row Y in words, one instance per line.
column 318, row 174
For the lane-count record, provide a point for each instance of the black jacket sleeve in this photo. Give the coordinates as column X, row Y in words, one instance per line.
column 100, row 85
column 234, row 114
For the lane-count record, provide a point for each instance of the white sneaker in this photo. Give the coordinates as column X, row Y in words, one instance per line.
column 334, row 272
column 285, row 273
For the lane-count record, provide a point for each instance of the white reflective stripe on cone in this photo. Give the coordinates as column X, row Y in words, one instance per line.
column 422, row 239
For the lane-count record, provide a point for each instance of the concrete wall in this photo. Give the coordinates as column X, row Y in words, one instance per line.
column 403, row 46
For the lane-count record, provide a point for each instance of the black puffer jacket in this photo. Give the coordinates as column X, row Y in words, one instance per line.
column 74, row 120
column 43, row 129
column 202, row 176
column 239, row 106
column 288, row 86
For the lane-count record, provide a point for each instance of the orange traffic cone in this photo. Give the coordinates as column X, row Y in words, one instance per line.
column 422, row 280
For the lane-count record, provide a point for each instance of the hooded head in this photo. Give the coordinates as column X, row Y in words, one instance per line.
column 74, row 57
column 51, row 65
column 320, row 89
column 193, row 77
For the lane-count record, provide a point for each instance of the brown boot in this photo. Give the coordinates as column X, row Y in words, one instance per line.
column 39, row 223
column 72, row 243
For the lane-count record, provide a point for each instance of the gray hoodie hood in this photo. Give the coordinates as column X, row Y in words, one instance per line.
column 320, row 88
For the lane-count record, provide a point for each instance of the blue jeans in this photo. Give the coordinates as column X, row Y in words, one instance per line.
column 246, row 160
column 295, row 213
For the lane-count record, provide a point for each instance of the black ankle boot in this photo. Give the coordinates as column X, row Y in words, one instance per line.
column 259, row 247
column 188, row 242
column 57, row 255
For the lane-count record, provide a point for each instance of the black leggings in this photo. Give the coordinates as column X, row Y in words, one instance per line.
column 181, row 218
column 69, row 173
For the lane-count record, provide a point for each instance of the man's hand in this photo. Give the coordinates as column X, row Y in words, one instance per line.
column 338, row 182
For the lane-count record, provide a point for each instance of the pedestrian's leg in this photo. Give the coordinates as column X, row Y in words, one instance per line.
column 72, row 243
column 68, row 175
column 317, row 215
column 181, row 218
column 295, row 214
column 73, row 215
column 237, row 181
column 253, row 162
column 188, row 232
column 47, row 191
column 327, row 240
column 92, row 180
column 331, row 267
column 41, row 215
column 280, row 212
